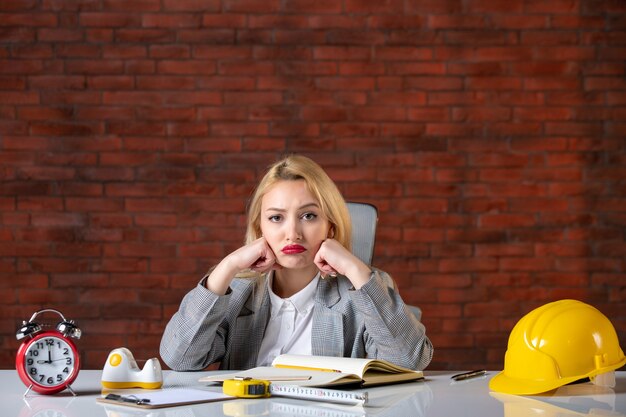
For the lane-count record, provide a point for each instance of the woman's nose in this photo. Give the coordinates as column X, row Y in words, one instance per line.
column 293, row 231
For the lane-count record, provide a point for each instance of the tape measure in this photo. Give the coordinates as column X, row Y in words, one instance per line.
column 259, row 388
column 247, row 388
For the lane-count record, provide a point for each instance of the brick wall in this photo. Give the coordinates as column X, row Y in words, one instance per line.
column 489, row 133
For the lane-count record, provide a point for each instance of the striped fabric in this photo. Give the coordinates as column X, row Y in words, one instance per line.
column 372, row 322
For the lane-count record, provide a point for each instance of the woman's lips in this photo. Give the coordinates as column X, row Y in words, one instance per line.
column 293, row 249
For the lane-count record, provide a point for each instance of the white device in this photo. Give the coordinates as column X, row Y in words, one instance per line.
column 121, row 371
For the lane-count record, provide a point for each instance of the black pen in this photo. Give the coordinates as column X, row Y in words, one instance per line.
column 468, row 375
column 130, row 399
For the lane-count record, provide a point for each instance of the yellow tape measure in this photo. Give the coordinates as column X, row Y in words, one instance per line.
column 247, row 388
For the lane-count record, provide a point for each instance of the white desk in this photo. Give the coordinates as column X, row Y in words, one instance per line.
column 435, row 397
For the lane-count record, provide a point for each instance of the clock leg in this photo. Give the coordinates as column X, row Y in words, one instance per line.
column 27, row 391
column 71, row 390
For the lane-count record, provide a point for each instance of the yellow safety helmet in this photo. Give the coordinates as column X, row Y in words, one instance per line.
column 556, row 344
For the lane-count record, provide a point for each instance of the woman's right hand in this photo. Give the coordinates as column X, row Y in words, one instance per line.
column 256, row 256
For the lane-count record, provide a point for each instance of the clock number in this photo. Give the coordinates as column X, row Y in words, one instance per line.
column 33, row 352
column 33, row 371
column 49, row 342
column 41, row 377
column 50, row 380
column 67, row 371
column 39, row 345
column 68, row 361
column 66, row 351
column 59, row 378
column 29, row 361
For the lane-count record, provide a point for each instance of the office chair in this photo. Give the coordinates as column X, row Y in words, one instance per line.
column 364, row 220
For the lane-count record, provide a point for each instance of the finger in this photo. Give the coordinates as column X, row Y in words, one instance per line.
column 263, row 264
column 326, row 269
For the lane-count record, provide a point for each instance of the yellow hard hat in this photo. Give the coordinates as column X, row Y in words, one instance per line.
column 556, row 344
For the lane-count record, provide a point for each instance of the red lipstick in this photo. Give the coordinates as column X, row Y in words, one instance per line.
column 293, row 249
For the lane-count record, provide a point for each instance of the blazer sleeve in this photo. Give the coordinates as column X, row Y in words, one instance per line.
column 195, row 336
column 392, row 332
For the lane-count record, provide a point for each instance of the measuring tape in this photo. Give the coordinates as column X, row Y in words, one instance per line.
column 259, row 388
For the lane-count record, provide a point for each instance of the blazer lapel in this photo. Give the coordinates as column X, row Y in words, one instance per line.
column 327, row 331
column 254, row 325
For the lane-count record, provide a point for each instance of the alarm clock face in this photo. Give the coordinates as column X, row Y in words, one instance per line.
column 49, row 362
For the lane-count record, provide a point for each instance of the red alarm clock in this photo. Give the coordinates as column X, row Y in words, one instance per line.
column 48, row 361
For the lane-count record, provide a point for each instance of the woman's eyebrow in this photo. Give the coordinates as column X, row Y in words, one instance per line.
column 299, row 208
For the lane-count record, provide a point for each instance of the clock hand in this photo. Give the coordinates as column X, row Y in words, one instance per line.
column 49, row 358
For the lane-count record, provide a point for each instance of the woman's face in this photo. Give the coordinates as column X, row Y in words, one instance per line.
column 293, row 224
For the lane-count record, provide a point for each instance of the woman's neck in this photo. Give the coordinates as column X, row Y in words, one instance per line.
column 287, row 282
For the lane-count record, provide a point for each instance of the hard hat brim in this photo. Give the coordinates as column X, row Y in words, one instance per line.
column 505, row 384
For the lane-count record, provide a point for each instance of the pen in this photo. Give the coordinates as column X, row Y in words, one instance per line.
column 306, row 368
column 279, row 377
column 468, row 375
column 130, row 399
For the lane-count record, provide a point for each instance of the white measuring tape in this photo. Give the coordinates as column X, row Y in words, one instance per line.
column 320, row 394
column 259, row 388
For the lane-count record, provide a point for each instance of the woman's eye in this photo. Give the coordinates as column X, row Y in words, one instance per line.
column 309, row 216
column 275, row 218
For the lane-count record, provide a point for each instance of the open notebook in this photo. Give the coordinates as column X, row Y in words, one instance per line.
column 322, row 371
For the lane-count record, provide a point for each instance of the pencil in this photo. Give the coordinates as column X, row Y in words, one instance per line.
column 281, row 377
column 306, row 368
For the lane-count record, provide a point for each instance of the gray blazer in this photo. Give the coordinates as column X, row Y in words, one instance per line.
column 372, row 322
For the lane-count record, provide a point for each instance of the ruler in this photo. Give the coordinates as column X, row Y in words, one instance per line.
column 319, row 394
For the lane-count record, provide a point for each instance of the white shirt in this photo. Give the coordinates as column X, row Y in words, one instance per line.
column 290, row 326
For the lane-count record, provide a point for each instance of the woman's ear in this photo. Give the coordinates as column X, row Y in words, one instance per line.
column 331, row 232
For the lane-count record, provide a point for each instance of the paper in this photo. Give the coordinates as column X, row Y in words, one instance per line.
column 171, row 397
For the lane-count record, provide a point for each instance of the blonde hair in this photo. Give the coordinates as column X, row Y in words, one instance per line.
column 297, row 167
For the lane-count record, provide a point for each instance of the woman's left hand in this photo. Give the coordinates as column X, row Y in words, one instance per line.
column 332, row 259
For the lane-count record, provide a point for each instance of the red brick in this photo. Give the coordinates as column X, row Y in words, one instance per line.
column 365, row 6
column 479, row 37
column 481, row 114
column 251, row 6
column 245, row 67
column 434, row 83
column 109, row 19
column 381, row 113
column 312, row 6
column 347, row 53
column 195, row 67
column 276, row 21
column 337, row 21
column 456, row 21
column 416, row 68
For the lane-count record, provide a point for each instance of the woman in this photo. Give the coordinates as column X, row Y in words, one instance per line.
column 311, row 295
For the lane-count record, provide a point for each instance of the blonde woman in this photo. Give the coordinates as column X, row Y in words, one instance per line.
column 308, row 293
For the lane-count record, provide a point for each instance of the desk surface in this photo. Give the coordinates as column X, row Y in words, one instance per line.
column 437, row 396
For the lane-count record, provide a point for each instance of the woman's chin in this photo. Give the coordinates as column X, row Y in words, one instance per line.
column 291, row 263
